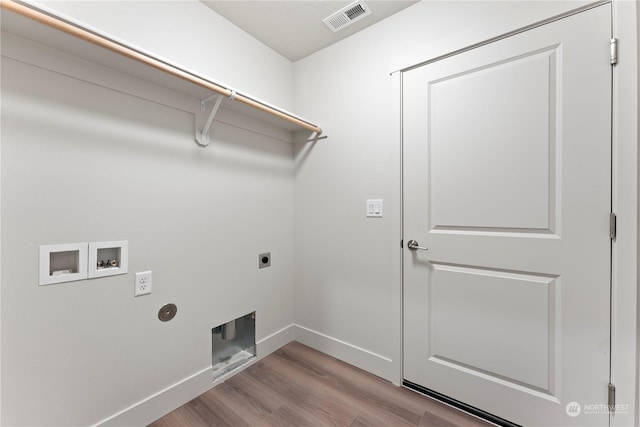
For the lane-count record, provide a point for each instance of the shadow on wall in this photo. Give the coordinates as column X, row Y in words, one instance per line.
column 107, row 121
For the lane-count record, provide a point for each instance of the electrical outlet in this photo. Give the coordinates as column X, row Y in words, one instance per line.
column 143, row 284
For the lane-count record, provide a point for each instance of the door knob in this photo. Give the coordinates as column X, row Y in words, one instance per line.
column 414, row 245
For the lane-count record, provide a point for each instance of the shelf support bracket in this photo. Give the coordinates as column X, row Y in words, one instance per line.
column 202, row 135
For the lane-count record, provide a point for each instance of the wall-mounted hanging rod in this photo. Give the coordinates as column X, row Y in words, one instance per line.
column 33, row 12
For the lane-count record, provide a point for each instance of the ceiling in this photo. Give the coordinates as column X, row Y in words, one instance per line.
column 294, row 28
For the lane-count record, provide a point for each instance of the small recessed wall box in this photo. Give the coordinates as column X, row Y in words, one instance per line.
column 63, row 263
column 108, row 258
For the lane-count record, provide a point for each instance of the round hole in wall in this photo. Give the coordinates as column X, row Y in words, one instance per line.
column 265, row 259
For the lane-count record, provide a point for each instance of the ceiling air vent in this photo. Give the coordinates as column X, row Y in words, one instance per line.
column 347, row 16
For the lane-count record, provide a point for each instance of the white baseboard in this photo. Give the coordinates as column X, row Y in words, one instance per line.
column 275, row 341
column 356, row 356
column 155, row 406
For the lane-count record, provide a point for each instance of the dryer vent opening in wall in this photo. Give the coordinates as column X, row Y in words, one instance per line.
column 233, row 344
column 347, row 16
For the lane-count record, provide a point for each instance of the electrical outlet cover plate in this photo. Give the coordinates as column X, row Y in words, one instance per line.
column 142, row 284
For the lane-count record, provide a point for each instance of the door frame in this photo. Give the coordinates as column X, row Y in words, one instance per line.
column 625, row 298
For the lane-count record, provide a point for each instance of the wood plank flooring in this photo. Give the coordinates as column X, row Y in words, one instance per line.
column 298, row 386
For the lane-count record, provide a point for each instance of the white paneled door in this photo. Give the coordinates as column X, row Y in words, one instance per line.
column 507, row 184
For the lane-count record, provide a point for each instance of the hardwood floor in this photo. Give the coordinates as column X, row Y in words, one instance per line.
column 298, row 386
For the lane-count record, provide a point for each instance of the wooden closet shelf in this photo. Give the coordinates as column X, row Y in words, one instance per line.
column 47, row 29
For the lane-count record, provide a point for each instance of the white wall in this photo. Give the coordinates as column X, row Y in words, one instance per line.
column 85, row 163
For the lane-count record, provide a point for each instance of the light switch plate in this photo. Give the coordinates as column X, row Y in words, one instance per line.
column 374, row 208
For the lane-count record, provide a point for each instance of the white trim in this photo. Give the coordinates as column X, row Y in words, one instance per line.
column 356, row 356
column 417, row 59
column 275, row 341
column 396, row 231
column 624, row 327
column 164, row 401
column 0, row 268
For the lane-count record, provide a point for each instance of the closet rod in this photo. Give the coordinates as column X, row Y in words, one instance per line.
column 87, row 35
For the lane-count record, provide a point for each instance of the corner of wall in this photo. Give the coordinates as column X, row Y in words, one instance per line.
column 364, row 359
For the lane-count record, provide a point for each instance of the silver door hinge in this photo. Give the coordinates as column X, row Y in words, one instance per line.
column 613, row 228
column 613, row 44
column 612, row 398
